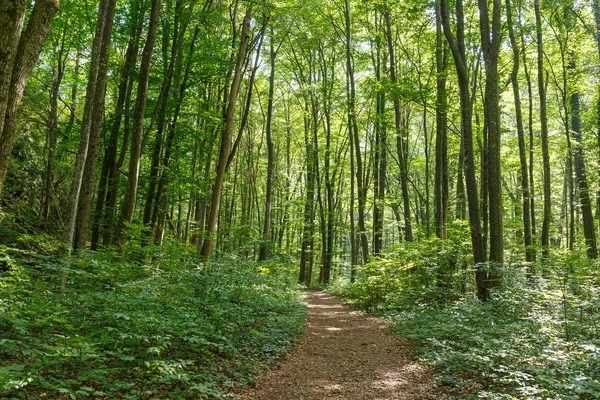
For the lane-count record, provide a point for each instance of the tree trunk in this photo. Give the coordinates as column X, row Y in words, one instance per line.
column 19, row 51
column 441, row 189
column 524, row 175
column 491, row 40
column 86, row 126
column 400, row 140
column 110, row 156
column 226, row 139
column 352, row 130
column 84, row 204
column 128, row 207
column 165, row 177
column 266, row 229
column 544, row 135
column 578, row 158
column 58, row 74
column 457, row 45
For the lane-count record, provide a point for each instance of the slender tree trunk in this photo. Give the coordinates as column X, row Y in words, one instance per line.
column 441, row 188
column 531, row 143
column 226, row 139
column 84, row 204
column 544, row 135
column 266, row 229
column 110, row 157
column 457, row 45
column 524, row 175
column 165, row 177
column 128, row 207
column 353, row 133
column 596, row 7
column 59, row 70
column 86, row 126
column 400, row 140
column 306, row 255
column 380, row 151
column 580, row 172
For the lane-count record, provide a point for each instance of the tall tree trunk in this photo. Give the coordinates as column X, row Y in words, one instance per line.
column 128, row 207
column 179, row 29
column 584, row 195
column 165, row 177
column 58, row 74
column 110, row 156
column 84, row 204
column 86, row 126
column 457, row 45
column 306, row 255
column 20, row 51
column 400, row 140
column 524, row 175
column 544, row 135
column 441, row 187
column 266, row 228
column 226, row 139
column 353, row 133
column 380, row 151
column 491, row 38
column 596, row 7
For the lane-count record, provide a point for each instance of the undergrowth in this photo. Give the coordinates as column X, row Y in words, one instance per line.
column 538, row 338
column 173, row 328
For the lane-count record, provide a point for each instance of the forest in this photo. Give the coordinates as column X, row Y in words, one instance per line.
column 176, row 174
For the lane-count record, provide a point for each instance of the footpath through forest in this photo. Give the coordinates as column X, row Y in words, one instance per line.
column 346, row 355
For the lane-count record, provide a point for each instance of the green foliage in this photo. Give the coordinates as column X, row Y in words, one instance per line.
column 538, row 337
column 174, row 328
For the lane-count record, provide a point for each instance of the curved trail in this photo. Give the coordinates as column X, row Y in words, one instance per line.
column 346, row 355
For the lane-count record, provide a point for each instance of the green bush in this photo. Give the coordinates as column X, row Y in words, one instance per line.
column 174, row 328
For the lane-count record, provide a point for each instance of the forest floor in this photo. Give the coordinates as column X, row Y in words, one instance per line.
column 346, row 355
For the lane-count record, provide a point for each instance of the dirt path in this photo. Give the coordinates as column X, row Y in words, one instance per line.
column 346, row 355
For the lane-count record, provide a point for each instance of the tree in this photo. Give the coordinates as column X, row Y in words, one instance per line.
column 457, row 45
column 20, row 50
column 128, row 207
column 226, row 138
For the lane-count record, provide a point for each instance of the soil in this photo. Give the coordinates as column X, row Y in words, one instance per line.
column 346, row 355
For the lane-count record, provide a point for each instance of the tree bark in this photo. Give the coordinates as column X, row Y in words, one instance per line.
column 86, row 126
column 580, row 172
column 352, row 129
column 525, row 196
column 544, row 135
column 441, row 189
column 19, row 51
column 491, row 38
column 226, row 140
column 457, row 45
column 400, row 140
column 266, row 229
column 128, row 207
column 84, row 204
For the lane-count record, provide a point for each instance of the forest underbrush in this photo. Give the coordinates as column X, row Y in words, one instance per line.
column 165, row 326
column 538, row 337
